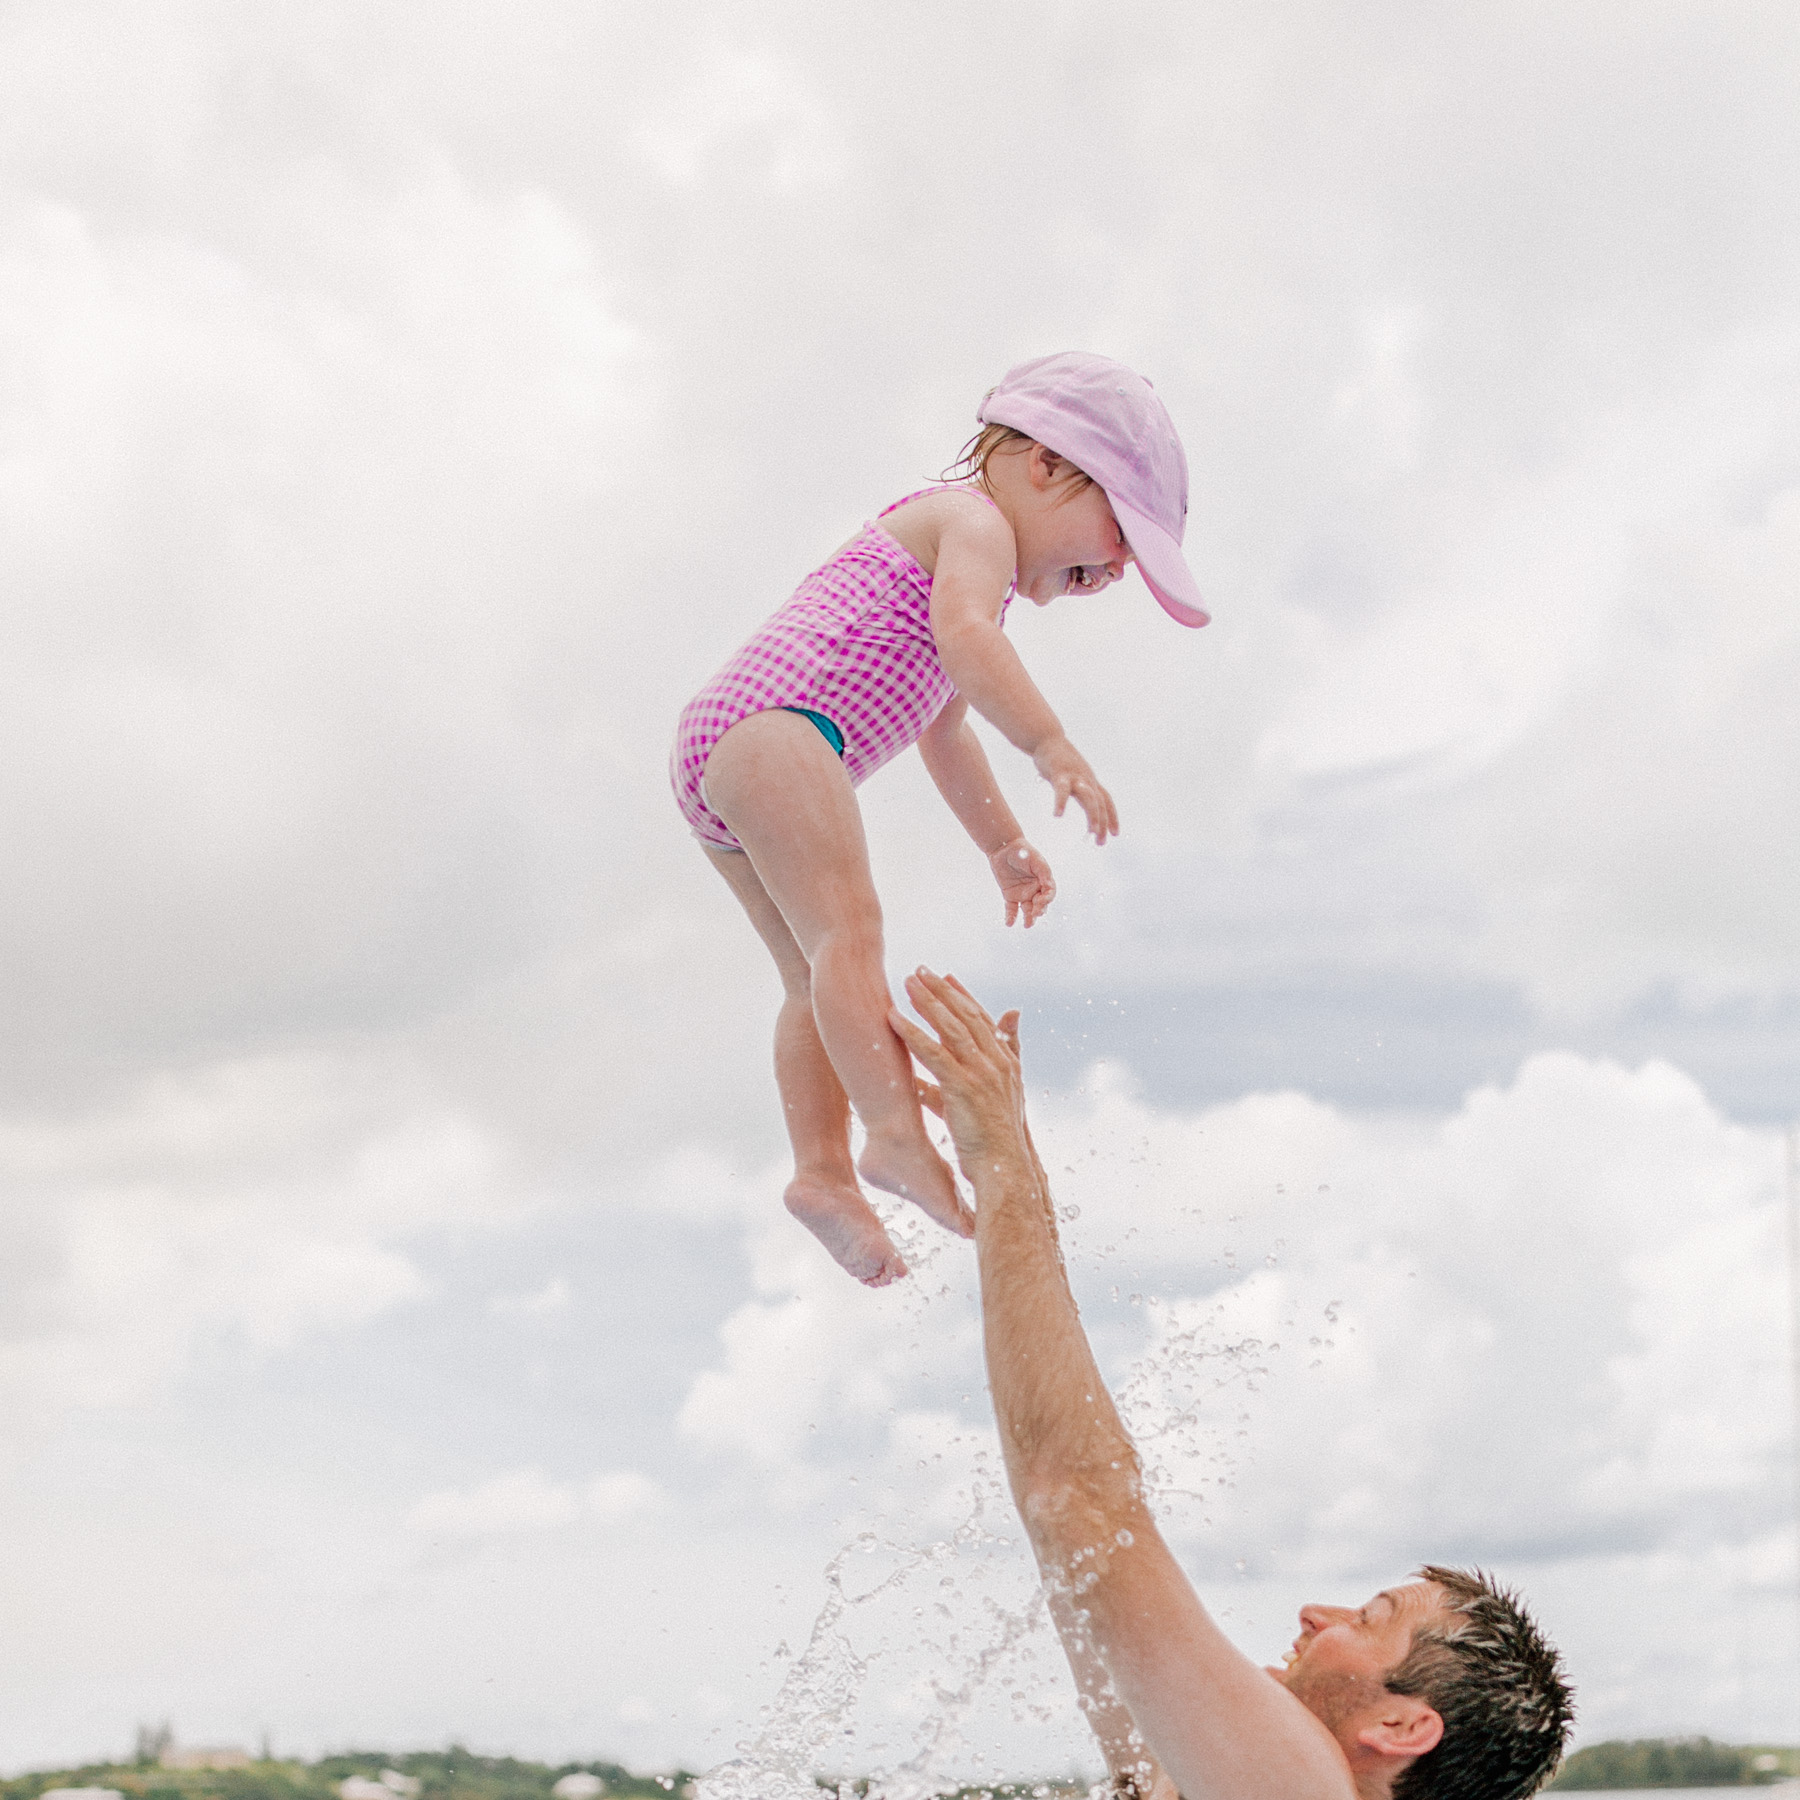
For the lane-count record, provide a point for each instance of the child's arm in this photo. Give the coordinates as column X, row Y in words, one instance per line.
column 958, row 764
column 974, row 566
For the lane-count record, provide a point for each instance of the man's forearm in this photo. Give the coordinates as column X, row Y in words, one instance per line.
column 1065, row 1445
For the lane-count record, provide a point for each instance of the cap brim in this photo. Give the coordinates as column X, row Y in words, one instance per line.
column 1162, row 565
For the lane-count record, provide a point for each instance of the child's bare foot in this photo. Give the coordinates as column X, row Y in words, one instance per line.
column 909, row 1167
column 846, row 1224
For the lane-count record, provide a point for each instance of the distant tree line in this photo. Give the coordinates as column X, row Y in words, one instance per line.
column 453, row 1774
column 1673, row 1763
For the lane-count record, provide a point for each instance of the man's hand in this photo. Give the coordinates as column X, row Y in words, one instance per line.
column 980, row 1093
column 1025, row 881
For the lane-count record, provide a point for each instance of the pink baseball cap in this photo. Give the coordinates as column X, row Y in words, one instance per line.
column 1109, row 423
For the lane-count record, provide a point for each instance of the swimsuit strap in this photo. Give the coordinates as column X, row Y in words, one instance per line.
column 938, row 487
column 945, row 487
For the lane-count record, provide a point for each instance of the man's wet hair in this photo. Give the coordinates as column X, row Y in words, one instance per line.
column 1496, row 1682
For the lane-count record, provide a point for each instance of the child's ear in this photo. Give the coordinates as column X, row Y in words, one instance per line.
column 1043, row 467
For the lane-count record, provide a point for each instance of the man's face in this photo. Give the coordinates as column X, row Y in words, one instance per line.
column 1340, row 1662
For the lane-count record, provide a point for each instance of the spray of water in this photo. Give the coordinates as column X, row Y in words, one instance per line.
column 966, row 1606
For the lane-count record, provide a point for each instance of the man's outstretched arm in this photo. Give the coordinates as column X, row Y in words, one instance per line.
column 1219, row 1725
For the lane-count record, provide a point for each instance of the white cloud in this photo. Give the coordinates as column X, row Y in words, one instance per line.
column 752, row 108
column 621, row 1494
column 1653, row 843
column 261, row 1201
column 254, row 464
column 525, row 1500
column 552, row 1297
column 528, row 1500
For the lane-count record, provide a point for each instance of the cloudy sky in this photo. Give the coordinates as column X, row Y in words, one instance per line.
column 402, row 409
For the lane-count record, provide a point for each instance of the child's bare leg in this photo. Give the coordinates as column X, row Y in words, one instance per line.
column 823, row 1195
column 787, row 799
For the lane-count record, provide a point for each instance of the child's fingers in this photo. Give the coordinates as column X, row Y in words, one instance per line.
column 931, row 1096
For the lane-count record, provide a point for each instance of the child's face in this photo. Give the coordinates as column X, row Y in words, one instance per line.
column 1069, row 543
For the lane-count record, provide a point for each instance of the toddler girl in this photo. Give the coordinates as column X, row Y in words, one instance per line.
column 1076, row 471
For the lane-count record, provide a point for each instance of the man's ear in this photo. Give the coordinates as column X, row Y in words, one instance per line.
column 1403, row 1725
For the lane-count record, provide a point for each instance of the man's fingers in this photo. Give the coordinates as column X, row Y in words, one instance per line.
column 1008, row 1028
column 936, row 1004
column 953, row 986
column 921, row 1043
column 931, row 1096
column 963, row 1007
column 946, row 1003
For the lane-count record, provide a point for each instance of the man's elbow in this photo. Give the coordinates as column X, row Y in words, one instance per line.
column 1073, row 1508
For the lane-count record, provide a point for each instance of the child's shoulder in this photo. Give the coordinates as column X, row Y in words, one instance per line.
column 923, row 521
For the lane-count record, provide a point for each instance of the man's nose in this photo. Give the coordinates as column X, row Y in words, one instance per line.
column 1316, row 1618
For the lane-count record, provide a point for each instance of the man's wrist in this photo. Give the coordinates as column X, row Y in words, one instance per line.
column 1004, row 1178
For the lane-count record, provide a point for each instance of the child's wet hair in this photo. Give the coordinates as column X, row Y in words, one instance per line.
column 1001, row 440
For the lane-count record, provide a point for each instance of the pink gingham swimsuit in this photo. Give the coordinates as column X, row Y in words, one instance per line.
column 854, row 643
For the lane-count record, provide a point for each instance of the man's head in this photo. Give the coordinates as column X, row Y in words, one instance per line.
column 1445, row 1682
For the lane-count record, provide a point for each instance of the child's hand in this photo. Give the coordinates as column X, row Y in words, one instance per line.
column 1025, row 881
column 1070, row 778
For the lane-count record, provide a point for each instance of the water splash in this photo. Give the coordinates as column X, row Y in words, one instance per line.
column 967, row 1607
column 923, row 1637
column 927, row 1605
